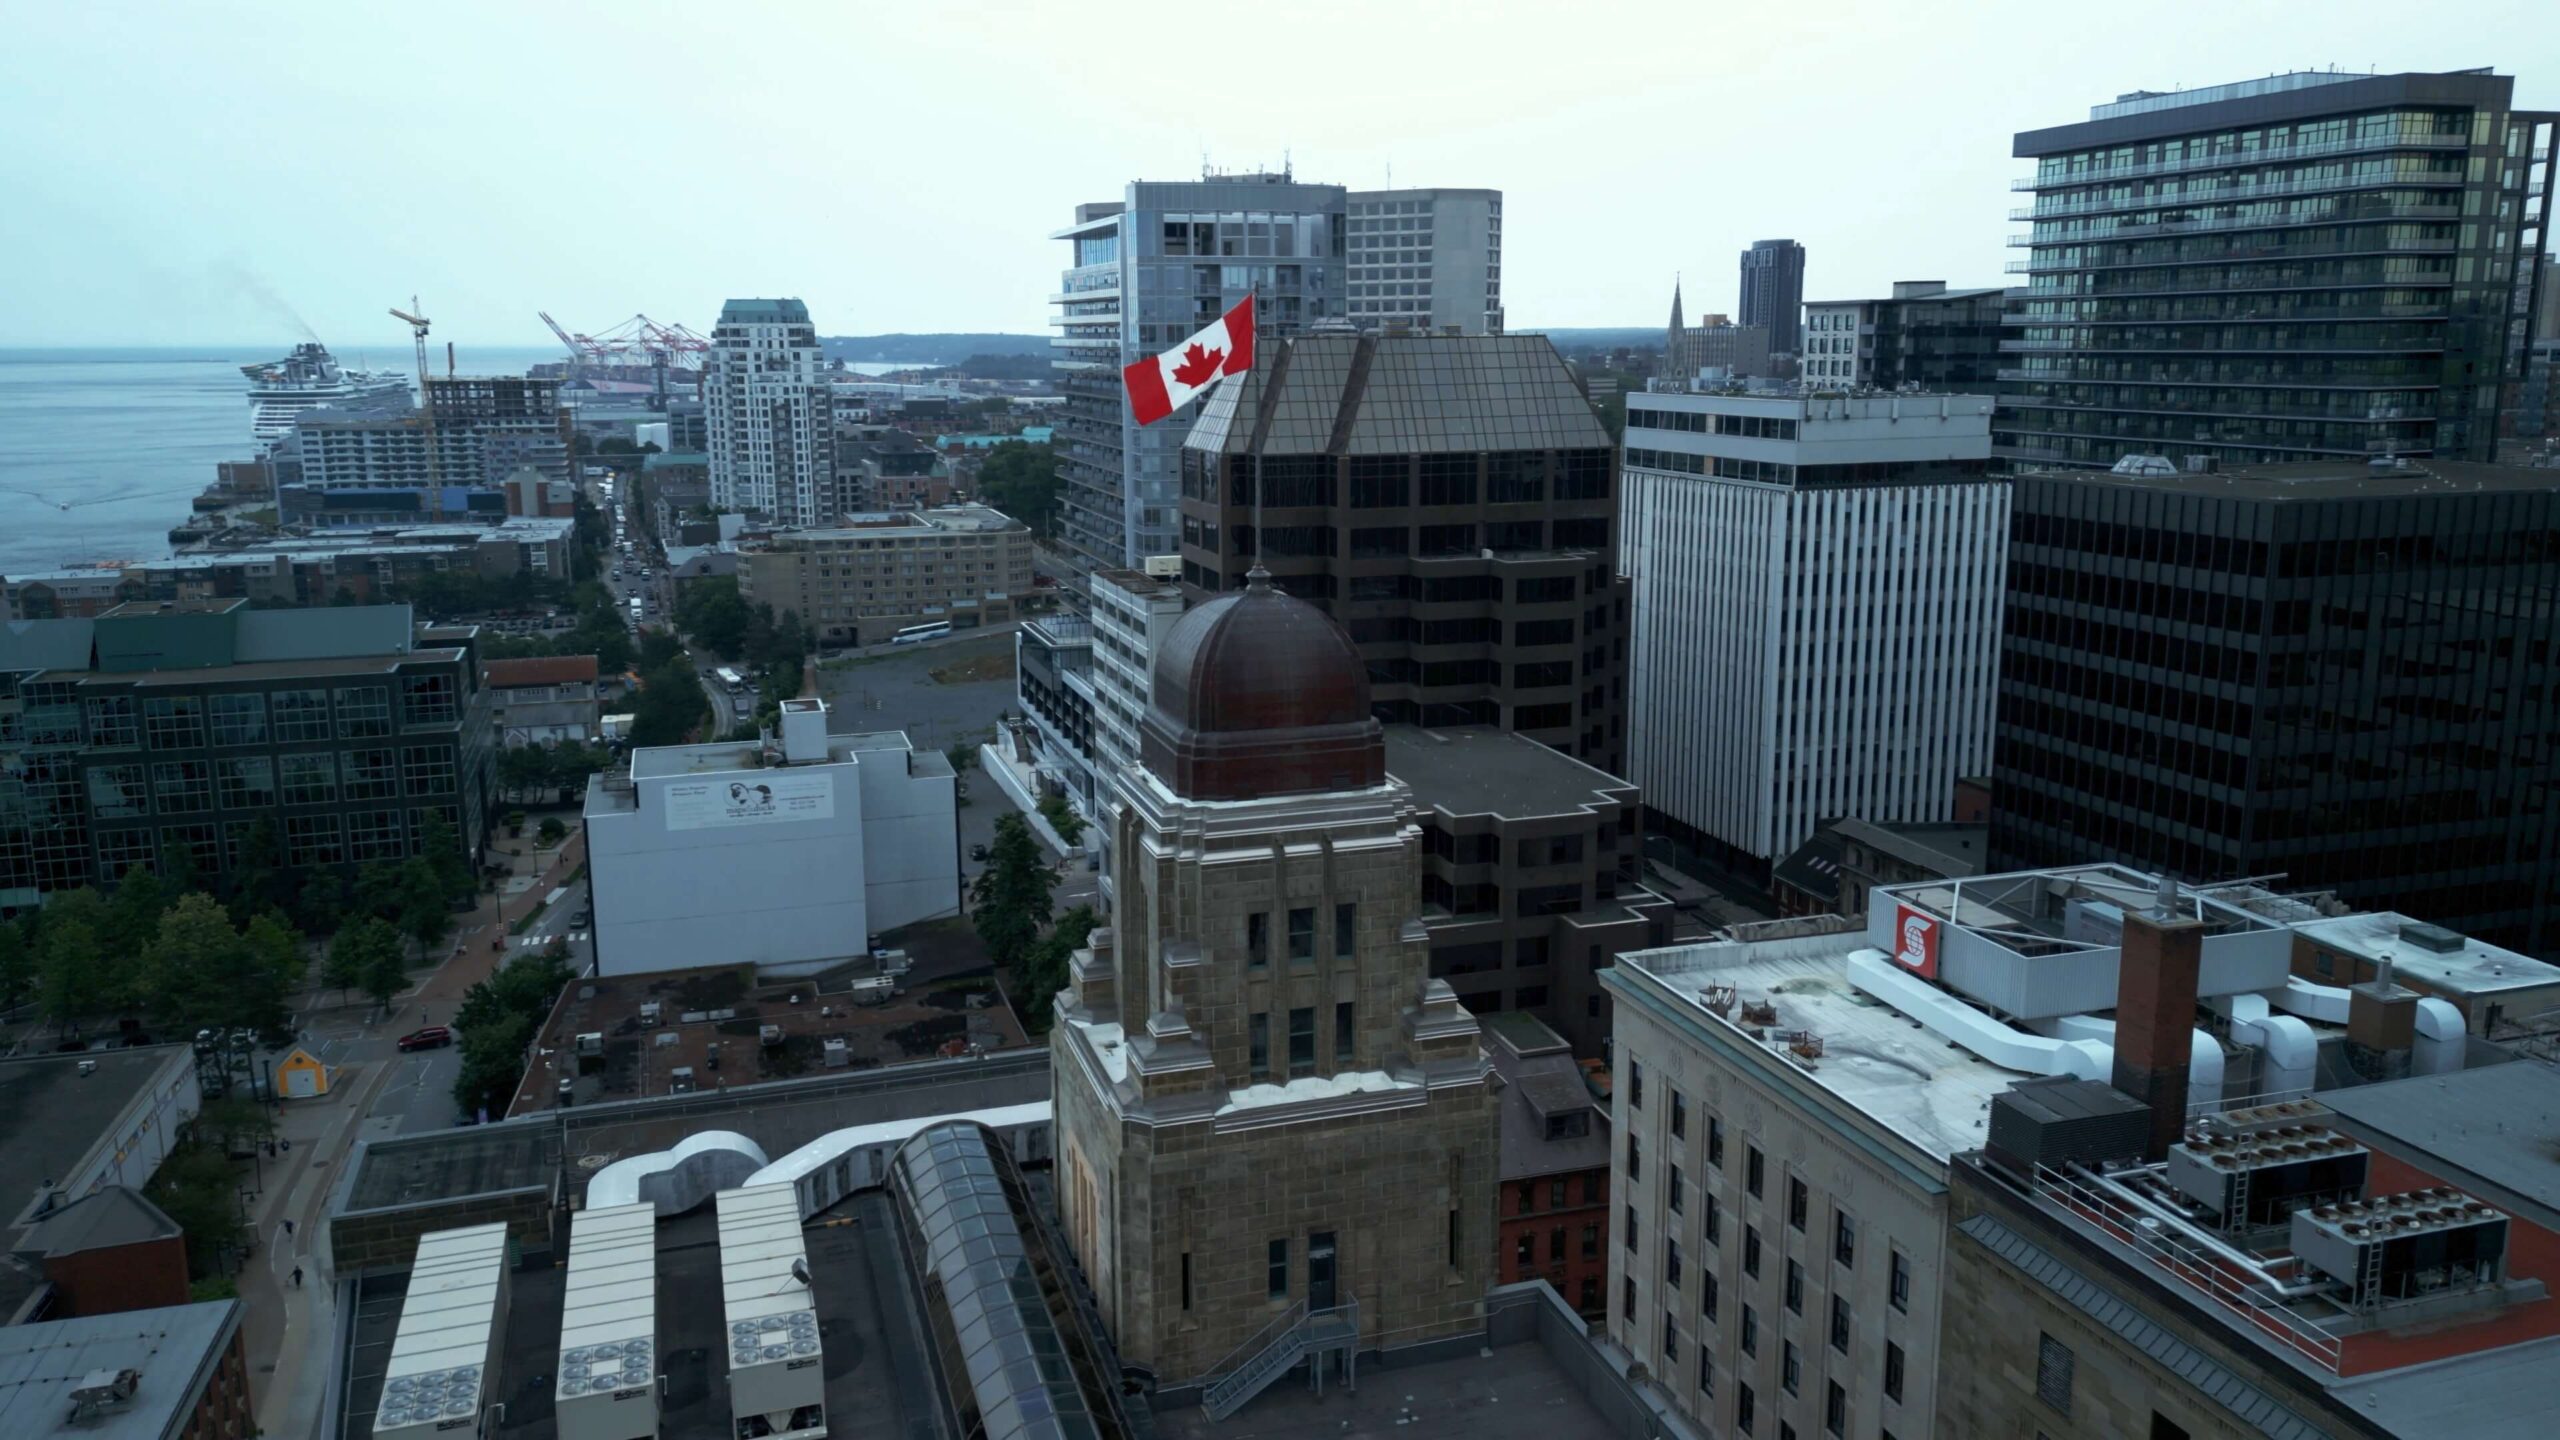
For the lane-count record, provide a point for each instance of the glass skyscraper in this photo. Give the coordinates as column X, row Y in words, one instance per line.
column 2308, row 266
column 1146, row 271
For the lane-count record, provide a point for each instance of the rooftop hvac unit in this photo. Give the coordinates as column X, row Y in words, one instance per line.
column 2259, row 1177
column 100, row 1391
column 443, row 1364
column 834, row 1054
column 606, row 1387
column 2404, row 1247
column 2060, row 1122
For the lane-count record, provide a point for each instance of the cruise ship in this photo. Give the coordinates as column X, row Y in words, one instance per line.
column 279, row 390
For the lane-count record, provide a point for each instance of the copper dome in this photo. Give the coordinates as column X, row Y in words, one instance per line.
column 1258, row 694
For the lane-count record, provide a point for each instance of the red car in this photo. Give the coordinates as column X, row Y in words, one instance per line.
column 433, row 1037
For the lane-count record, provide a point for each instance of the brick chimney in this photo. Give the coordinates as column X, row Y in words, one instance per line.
column 2156, row 1018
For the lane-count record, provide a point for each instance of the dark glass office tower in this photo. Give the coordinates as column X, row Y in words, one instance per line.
column 1451, row 499
column 2305, row 266
column 1773, row 292
column 2336, row 672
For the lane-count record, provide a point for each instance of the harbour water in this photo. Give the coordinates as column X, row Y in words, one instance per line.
column 125, row 438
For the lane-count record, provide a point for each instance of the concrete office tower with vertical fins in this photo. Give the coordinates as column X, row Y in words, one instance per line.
column 769, row 413
column 1427, row 259
column 1817, row 582
column 1277, row 1136
column 2311, row 266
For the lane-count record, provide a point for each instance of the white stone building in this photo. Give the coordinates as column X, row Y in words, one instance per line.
column 769, row 414
column 1817, row 589
column 787, row 856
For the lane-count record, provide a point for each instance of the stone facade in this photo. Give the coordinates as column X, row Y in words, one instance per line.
column 1253, row 1064
column 2049, row 1368
column 1718, row 1136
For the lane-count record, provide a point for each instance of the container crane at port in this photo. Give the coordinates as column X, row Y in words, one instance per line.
column 637, row 343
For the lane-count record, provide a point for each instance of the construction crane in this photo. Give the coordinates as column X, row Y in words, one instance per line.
column 426, row 407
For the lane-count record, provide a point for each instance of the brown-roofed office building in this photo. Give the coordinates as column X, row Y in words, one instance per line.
column 1531, row 874
column 1552, row 1211
column 109, row 1251
column 543, row 699
column 1451, row 499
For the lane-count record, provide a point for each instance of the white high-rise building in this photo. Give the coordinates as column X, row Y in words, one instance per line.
column 1429, row 259
column 1817, row 590
column 769, row 414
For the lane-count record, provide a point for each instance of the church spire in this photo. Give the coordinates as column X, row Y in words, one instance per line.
column 1674, row 342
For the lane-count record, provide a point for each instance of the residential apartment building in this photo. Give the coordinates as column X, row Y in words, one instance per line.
column 1131, row 611
column 1552, row 1208
column 217, row 737
column 1532, row 874
column 1144, row 272
column 768, row 414
column 1448, row 498
column 861, row 582
column 1817, row 581
column 2335, row 672
column 1923, row 336
column 1794, row 1108
column 1426, row 259
column 545, row 699
column 1053, row 676
column 1773, row 292
column 1273, row 1127
column 2311, row 265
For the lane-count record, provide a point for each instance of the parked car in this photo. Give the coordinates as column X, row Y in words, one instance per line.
column 583, row 917
column 434, row 1037
column 978, row 853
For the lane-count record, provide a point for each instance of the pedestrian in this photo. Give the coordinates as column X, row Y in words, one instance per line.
column 286, row 1144
column 288, row 1229
column 297, row 1277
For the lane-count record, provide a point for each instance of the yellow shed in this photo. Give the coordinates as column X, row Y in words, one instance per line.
column 301, row 1076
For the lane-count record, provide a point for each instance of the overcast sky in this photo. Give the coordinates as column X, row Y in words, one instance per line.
column 185, row 173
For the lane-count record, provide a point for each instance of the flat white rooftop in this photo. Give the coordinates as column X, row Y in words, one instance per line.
column 721, row 757
column 1927, row 1090
column 2474, row 968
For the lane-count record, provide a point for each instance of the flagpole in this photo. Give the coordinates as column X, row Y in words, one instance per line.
column 1253, row 441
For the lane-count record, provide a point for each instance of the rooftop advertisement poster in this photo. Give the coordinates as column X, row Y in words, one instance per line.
column 762, row 799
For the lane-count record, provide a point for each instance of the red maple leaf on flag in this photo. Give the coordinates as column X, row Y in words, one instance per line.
column 1197, row 366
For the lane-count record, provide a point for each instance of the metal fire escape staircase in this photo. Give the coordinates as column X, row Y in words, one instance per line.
column 1293, row 1335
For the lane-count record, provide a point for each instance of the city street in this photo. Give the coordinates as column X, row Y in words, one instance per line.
column 376, row 1091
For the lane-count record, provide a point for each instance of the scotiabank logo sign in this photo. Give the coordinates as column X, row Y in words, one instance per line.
column 1916, row 941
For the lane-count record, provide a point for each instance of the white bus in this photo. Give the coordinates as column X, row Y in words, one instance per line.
column 934, row 630
column 730, row 680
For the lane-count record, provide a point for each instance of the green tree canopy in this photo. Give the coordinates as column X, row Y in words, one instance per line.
column 1012, row 894
column 357, row 951
column 1022, row 481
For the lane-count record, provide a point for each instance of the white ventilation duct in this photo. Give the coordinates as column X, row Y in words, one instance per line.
column 1946, row 1016
column 2289, row 1053
column 2324, row 1003
column 2442, row 1038
column 2204, row 1054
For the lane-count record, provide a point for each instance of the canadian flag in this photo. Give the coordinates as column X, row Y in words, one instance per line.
column 1164, row 383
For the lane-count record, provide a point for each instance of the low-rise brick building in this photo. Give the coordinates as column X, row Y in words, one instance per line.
column 1553, row 1208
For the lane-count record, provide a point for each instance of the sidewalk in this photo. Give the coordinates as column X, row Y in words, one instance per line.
column 288, row 1331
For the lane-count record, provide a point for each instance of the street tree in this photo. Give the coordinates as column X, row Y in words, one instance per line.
column 492, row 1065
column 72, row 978
column 1012, row 895
column 1043, row 970
column 384, row 972
column 358, row 951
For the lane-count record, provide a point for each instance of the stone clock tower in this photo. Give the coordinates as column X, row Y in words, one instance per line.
column 1277, row 1135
